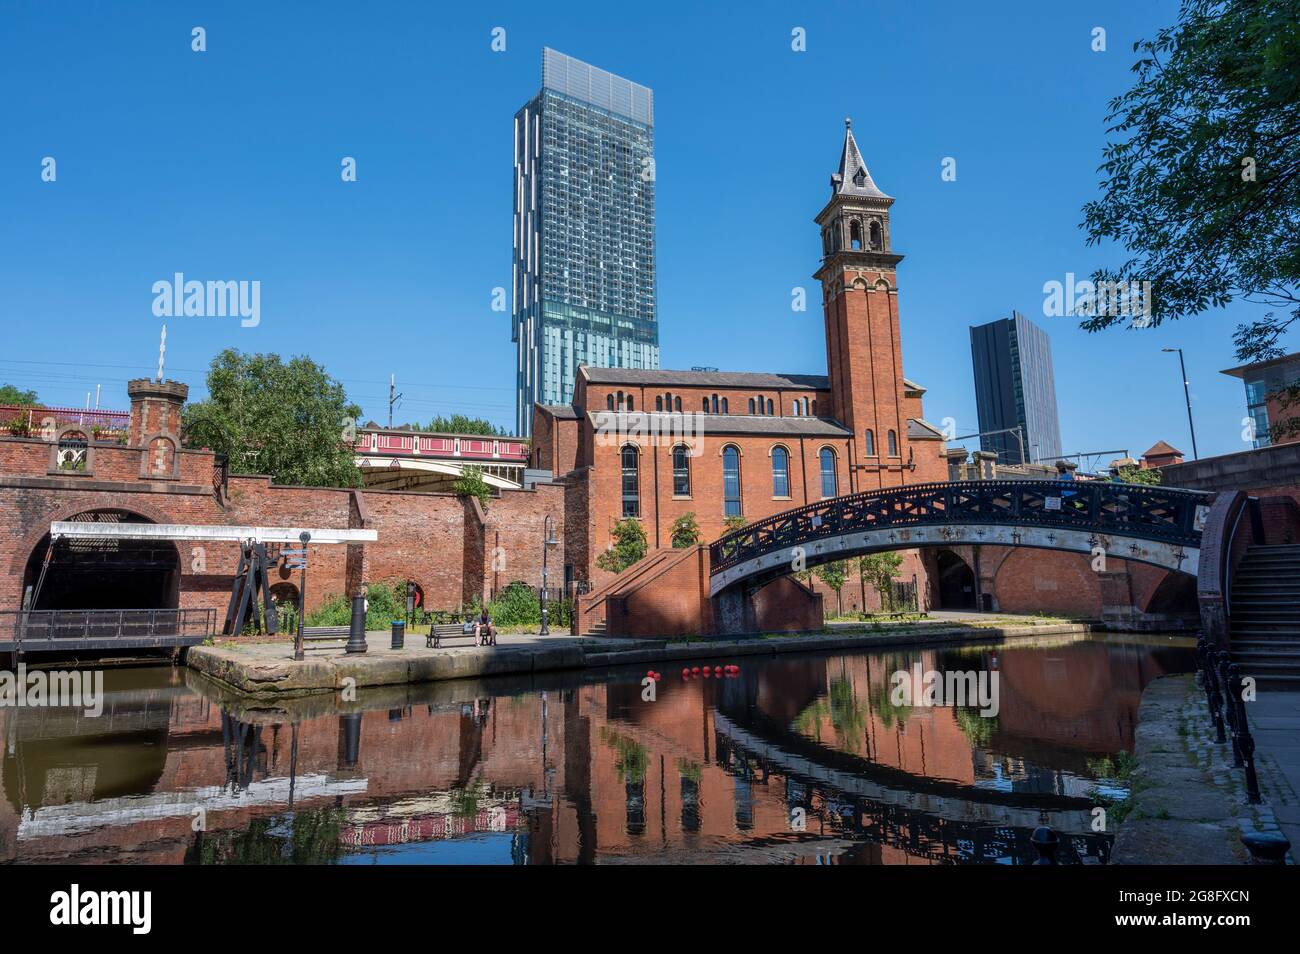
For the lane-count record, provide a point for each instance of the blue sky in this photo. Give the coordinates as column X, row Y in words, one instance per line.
column 226, row 165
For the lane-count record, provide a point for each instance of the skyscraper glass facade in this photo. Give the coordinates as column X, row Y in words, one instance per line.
column 584, row 231
column 1015, row 388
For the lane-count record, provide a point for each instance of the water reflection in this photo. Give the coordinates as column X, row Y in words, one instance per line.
column 798, row 759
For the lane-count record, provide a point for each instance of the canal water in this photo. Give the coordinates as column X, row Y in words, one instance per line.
column 803, row 759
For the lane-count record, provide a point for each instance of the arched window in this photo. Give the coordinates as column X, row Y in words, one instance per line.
column 659, row 403
column 609, row 401
column 874, row 232
column 731, row 481
column 677, row 403
column 706, row 404
column 72, row 451
column 829, row 484
column 715, row 404
column 893, row 444
column 795, row 407
column 681, row 471
column 814, row 407
column 855, row 234
column 869, row 443
column 805, row 407
column 751, row 405
column 631, row 481
column 619, row 400
column 668, row 400
column 769, row 406
column 780, row 472
column 629, row 402
column 724, row 405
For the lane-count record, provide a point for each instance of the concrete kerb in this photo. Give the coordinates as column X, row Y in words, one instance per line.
column 256, row 671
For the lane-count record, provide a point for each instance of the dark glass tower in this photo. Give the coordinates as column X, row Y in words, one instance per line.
column 1014, row 387
column 584, row 231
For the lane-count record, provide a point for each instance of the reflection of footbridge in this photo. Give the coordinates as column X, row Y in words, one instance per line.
column 928, row 818
column 1156, row 525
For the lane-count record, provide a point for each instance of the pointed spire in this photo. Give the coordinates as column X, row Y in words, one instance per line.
column 853, row 177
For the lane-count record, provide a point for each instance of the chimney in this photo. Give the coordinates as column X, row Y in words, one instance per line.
column 155, row 409
column 956, row 463
column 986, row 465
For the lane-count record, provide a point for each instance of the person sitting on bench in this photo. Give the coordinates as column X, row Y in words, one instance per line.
column 484, row 631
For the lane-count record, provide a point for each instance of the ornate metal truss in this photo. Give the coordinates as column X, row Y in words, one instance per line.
column 1150, row 524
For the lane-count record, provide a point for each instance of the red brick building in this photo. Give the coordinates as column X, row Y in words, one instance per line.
column 452, row 548
column 656, row 445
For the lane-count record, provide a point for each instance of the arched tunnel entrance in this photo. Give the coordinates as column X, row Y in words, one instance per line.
column 105, row 574
column 956, row 582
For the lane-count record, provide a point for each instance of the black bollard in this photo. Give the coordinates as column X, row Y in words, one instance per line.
column 357, row 635
column 349, row 740
column 1266, row 847
column 399, row 634
column 1045, row 843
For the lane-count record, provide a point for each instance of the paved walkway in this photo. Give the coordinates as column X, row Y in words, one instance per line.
column 1188, row 802
column 1275, row 722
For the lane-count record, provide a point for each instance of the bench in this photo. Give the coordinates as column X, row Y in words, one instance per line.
column 440, row 631
column 317, row 634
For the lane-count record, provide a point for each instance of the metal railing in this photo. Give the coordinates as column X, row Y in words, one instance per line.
column 44, row 630
column 1140, row 511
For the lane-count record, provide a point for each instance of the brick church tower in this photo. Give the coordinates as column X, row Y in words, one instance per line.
column 864, row 357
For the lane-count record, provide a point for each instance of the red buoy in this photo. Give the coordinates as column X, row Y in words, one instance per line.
column 695, row 671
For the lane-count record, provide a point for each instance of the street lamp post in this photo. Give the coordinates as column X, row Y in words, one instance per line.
column 1187, row 396
column 548, row 541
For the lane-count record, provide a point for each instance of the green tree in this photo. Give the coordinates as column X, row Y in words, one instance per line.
column 686, row 531
column 269, row 417
column 1201, row 176
column 471, row 484
column 629, row 546
column 1137, row 475
column 461, row 424
column 835, row 575
column 879, row 569
column 13, row 395
column 734, row 523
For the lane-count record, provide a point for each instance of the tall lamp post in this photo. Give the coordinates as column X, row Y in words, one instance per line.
column 548, row 541
column 1187, row 396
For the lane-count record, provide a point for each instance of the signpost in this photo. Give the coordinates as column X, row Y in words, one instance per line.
column 297, row 560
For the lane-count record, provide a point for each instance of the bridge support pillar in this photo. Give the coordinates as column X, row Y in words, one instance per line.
column 733, row 612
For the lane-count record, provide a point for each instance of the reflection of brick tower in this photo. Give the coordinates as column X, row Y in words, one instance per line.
column 863, row 355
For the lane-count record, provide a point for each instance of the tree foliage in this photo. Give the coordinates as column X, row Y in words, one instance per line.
column 9, row 394
column 834, row 575
column 686, row 531
column 1202, row 173
column 462, row 424
column 1137, row 475
column 629, row 547
column 879, row 569
column 471, row 484
column 269, row 417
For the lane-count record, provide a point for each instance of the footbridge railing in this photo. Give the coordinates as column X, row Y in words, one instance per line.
column 1102, row 508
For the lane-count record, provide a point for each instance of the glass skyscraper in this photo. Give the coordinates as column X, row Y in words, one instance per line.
column 1015, row 388
column 584, row 231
